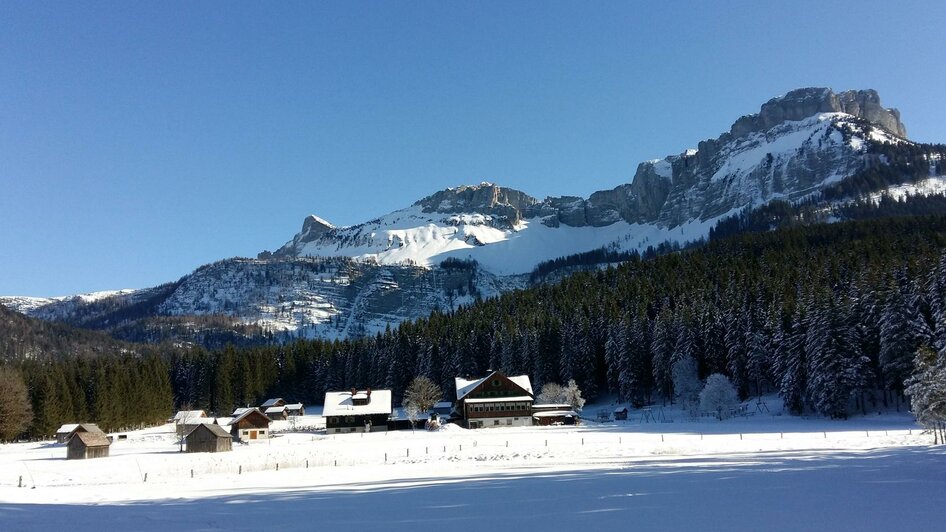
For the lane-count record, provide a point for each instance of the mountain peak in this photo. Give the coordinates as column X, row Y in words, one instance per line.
column 800, row 104
column 485, row 198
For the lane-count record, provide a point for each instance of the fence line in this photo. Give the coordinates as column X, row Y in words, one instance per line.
column 375, row 450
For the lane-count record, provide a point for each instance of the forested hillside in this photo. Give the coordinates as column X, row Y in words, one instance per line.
column 829, row 316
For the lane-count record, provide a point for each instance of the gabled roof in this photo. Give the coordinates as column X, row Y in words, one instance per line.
column 241, row 411
column 273, row 402
column 340, row 403
column 295, row 406
column 248, row 412
column 73, row 427
column 188, row 415
column 66, row 429
column 216, row 430
column 275, row 409
column 464, row 386
column 91, row 439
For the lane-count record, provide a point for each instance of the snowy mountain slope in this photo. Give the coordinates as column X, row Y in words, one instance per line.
column 334, row 282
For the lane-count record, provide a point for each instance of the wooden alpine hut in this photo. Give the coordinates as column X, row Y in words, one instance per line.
column 208, row 438
column 83, row 445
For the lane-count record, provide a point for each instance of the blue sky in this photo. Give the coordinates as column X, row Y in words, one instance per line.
column 141, row 140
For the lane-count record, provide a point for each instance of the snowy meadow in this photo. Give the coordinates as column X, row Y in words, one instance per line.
column 772, row 472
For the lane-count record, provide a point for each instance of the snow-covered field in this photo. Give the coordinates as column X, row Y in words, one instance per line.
column 762, row 472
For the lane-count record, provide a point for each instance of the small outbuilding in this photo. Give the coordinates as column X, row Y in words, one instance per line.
column 554, row 414
column 295, row 409
column 279, row 401
column 276, row 413
column 620, row 413
column 83, row 445
column 67, row 431
column 208, row 438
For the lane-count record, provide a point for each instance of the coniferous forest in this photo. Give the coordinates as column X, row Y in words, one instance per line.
column 828, row 316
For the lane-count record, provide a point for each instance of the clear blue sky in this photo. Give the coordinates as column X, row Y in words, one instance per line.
column 141, row 140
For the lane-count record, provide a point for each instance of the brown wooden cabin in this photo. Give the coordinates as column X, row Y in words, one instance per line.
column 250, row 425
column 620, row 413
column 295, row 409
column 495, row 401
column 83, row 445
column 208, row 438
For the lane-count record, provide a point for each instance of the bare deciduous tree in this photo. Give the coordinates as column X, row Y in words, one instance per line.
column 421, row 395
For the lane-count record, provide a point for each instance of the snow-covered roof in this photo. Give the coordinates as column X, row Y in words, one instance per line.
column 340, row 403
column 241, row 411
column 275, row 409
column 556, row 413
column 621, row 409
column 465, row 386
column 273, row 402
column 188, row 415
column 295, row 406
column 499, row 399
column 67, row 428
column 553, row 406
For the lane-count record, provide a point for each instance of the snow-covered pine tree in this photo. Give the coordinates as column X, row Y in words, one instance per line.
column 737, row 327
column 686, row 384
column 614, row 352
column 903, row 329
column 927, row 390
column 790, row 366
column 661, row 348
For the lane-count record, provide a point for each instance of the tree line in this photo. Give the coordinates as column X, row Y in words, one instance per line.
column 828, row 316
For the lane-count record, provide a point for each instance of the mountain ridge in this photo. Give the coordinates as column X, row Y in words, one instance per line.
column 338, row 281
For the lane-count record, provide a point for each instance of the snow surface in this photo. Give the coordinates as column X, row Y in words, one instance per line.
column 761, row 472
column 930, row 186
column 426, row 239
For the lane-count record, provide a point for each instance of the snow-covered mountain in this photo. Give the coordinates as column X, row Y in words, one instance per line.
column 333, row 282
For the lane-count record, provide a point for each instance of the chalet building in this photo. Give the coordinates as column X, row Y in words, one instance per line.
column 494, row 401
column 66, row 432
column 249, row 425
column 554, row 414
column 276, row 413
column 357, row 411
column 84, row 445
column 295, row 409
column 208, row 438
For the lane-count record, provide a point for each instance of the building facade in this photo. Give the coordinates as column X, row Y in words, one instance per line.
column 494, row 401
column 357, row 411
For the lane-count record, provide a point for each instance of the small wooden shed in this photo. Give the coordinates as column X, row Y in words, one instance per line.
column 620, row 413
column 66, row 431
column 208, row 438
column 83, row 445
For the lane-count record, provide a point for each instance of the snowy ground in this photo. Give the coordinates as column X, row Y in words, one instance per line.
column 760, row 472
